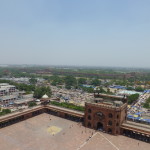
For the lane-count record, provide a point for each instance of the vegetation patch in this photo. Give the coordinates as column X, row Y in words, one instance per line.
column 40, row 91
column 32, row 104
column 68, row 105
column 147, row 103
column 5, row 111
column 132, row 98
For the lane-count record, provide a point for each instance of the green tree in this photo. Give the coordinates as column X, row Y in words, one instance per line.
column 33, row 81
column 132, row 98
column 147, row 103
column 31, row 104
column 139, row 89
column 40, row 91
column 68, row 105
column 70, row 81
column 87, row 89
column 130, row 88
column 96, row 82
column 102, row 90
column 56, row 80
column 5, row 111
column 81, row 81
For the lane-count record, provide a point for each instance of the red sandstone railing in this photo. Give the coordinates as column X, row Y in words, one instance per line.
column 136, row 130
column 108, row 106
column 30, row 110
column 20, row 113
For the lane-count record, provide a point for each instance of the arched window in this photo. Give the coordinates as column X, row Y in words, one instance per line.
column 117, row 124
column 89, row 111
column 110, row 115
column 100, row 114
column 117, row 116
column 89, row 125
column 89, row 117
column 110, row 123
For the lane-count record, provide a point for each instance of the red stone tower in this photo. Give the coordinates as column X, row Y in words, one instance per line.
column 106, row 113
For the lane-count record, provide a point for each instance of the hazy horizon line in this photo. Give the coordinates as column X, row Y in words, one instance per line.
column 86, row 66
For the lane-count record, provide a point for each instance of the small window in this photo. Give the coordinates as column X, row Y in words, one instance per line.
column 89, row 117
column 117, row 124
column 110, row 123
column 110, row 115
column 89, row 111
column 117, row 116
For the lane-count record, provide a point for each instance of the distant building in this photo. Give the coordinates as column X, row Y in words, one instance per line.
column 8, row 100
column 6, row 89
column 23, row 102
column 118, row 87
column 18, row 80
column 9, row 94
column 128, row 92
column 3, row 91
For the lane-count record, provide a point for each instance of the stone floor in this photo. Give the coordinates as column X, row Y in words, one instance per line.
column 102, row 141
column 47, row 132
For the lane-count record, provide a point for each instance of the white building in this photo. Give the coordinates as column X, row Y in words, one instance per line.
column 6, row 89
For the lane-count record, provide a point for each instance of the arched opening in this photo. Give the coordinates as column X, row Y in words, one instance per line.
column 124, row 132
column 109, row 130
column 89, row 125
column 99, row 126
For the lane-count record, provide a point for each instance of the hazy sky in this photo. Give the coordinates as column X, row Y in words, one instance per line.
column 75, row 32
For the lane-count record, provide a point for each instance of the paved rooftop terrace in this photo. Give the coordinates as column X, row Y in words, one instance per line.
column 48, row 132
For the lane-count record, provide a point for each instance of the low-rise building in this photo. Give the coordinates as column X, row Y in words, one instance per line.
column 6, row 89
column 22, row 102
column 8, row 100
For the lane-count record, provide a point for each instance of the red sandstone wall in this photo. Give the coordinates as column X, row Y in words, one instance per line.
column 117, row 118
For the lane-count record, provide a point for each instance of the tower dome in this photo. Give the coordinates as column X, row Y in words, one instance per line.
column 45, row 96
